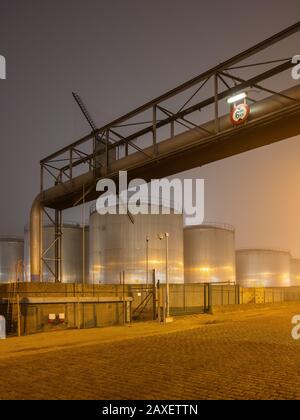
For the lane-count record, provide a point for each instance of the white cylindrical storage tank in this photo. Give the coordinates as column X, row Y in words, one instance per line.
column 209, row 254
column 295, row 272
column 11, row 260
column 72, row 250
column 117, row 244
column 263, row 268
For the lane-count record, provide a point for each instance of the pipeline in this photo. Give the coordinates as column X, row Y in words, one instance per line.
column 35, row 239
column 174, row 145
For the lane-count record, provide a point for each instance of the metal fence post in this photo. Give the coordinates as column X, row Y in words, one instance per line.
column 204, row 296
column 154, row 294
column 210, row 297
column 158, row 302
column 78, row 308
column 164, row 305
column 123, row 292
column 18, row 315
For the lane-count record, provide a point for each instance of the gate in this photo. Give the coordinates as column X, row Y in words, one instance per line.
column 147, row 308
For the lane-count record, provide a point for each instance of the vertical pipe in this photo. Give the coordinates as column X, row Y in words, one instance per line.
column 172, row 129
column 91, row 162
column 35, row 239
column 95, row 166
column 71, row 164
column 83, row 234
column 216, row 87
column 154, row 131
column 60, row 247
column 41, row 256
column 42, row 178
column 56, row 246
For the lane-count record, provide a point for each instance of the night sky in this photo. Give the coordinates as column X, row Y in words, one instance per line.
column 118, row 54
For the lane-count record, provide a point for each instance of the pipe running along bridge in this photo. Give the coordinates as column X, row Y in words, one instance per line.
column 169, row 135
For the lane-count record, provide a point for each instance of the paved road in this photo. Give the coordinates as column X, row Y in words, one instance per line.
column 243, row 355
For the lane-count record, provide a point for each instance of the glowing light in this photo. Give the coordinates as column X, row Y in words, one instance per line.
column 237, row 98
column 227, row 267
column 205, row 269
column 97, row 268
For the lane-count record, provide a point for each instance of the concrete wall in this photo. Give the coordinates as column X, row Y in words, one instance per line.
column 35, row 317
column 184, row 298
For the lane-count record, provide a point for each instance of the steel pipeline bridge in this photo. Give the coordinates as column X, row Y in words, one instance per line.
column 155, row 141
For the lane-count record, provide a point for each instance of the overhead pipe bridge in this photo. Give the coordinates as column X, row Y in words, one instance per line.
column 139, row 147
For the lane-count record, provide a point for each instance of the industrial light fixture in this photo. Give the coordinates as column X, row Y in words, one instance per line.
column 238, row 97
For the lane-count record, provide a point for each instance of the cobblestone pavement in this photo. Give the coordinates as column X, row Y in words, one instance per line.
column 243, row 355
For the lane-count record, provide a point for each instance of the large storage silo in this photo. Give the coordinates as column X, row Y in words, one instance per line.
column 72, row 253
column 263, row 268
column 11, row 260
column 295, row 272
column 117, row 245
column 209, row 254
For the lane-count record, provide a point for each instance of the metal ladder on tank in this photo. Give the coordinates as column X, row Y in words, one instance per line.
column 12, row 294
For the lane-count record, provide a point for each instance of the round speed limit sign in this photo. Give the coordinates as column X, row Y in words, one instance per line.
column 240, row 114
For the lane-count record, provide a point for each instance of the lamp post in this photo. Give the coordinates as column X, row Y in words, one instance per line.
column 166, row 237
column 167, row 276
column 147, row 259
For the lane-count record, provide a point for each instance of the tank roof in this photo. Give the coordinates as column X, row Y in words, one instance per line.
column 218, row 226
column 261, row 250
column 11, row 239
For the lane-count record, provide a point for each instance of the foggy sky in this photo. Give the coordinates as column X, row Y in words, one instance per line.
column 118, row 54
